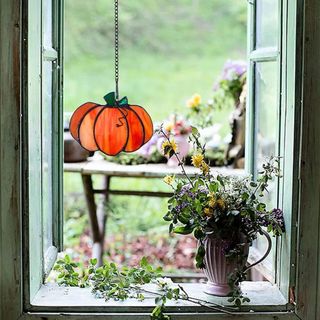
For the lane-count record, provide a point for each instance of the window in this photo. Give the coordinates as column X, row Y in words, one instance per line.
column 44, row 137
column 37, row 157
column 263, row 112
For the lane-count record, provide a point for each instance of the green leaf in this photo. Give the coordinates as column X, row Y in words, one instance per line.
column 198, row 233
column 93, row 261
column 144, row 262
column 183, row 229
column 110, row 99
column 195, row 132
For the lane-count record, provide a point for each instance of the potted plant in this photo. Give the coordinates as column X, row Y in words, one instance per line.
column 224, row 213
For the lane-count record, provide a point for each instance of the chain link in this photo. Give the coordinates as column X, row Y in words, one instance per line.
column 116, row 48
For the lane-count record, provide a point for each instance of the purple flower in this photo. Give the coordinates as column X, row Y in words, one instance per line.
column 146, row 150
column 277, row 217
column 234, row 69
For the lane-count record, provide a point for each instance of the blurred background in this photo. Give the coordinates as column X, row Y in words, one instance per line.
column 169, row 51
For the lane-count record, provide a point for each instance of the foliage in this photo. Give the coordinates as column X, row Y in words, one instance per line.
column 226, row 93
column 160, row 44
column 112, row 282
column 229, row 208
column 67, row 274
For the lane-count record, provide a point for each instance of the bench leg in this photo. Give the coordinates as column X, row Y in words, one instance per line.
column 97, row 215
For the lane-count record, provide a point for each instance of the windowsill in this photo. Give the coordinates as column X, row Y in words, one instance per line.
column 263, row 295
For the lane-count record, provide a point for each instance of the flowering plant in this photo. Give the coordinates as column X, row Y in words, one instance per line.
column 230, row 85
column 226, row 93
column 177, row 126
column 230, row 208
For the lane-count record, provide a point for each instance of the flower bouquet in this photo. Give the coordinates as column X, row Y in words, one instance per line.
column 224, row 213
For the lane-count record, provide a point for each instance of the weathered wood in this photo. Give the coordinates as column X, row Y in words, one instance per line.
column 174, row 316
column 158, row 194
column 264, row 296
column 10, row 149
column 102, row 215
column 308, row 294
column 32, row 153
column 98, row 166
column 92, row 208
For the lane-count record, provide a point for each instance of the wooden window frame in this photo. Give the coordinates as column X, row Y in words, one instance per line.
column 301, row 246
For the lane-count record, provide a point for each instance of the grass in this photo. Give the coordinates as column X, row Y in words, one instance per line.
column 169, row 51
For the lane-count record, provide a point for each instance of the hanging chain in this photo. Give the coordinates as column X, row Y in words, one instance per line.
column 116, row 48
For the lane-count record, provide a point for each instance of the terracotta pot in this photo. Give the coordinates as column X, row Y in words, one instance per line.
column 73, row 152
column 218, row 267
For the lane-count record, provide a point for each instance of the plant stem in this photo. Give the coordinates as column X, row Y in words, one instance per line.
column 178, row 158
column 203, row 303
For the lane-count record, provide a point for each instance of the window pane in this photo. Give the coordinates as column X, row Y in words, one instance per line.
column 266, row 106
column 47, row 153
column 267, row 23
column 47, row 23
column 266, row 101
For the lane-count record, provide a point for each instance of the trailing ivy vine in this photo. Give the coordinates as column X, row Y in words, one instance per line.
column 120, row 283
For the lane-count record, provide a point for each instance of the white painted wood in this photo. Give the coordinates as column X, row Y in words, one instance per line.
column 263, row 295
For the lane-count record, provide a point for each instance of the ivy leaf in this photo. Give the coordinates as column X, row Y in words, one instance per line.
column 183, row 229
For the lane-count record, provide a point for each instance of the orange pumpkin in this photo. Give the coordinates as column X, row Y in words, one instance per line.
column 111, row 128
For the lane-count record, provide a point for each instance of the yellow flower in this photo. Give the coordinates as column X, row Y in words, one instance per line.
column 221, row 204
column 169, row 147
column 169, row 180
column 208, row 212
column 195, row 101
column 204, row 167
column 197, row 159
column 212, row 199
column 168, row 126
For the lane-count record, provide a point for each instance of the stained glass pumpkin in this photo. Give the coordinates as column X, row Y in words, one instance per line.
column 111, row 128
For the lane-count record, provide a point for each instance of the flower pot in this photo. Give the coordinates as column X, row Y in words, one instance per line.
column 73, row 152
column 218, row 267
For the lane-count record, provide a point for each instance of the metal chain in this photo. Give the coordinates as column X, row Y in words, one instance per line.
column 116, row 48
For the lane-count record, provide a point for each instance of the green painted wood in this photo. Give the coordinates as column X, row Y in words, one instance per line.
column 33, row 216
column 249, row 160
column 308, row 295
column 290, row 133
column 10, row 148
column 58, row 25
column 260, row 56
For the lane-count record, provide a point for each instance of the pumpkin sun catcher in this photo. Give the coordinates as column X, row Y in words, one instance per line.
column 116, row 126
column 111, row 128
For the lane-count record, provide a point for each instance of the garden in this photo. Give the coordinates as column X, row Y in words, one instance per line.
column 188, row 69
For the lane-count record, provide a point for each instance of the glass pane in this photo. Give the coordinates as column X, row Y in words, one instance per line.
column 266, row 106
column 47, row 153
column 47, row 23
column 266, row 101
column 267, row 23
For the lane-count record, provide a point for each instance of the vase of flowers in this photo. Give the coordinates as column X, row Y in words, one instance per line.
column 225, row 214
column 178, row 128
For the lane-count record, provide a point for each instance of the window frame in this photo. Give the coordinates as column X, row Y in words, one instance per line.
column 303, row 44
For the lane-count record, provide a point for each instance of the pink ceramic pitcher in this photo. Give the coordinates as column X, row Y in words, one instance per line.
column 218, row 268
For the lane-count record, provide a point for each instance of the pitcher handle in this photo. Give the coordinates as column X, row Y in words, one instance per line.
column 266, row 234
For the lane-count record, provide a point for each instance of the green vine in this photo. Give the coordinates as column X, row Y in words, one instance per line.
column 120, row 283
